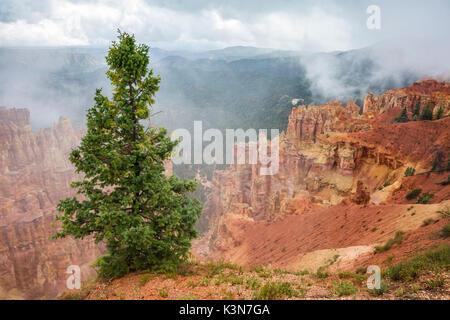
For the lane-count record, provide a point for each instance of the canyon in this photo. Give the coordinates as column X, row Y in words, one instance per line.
column 340, row 189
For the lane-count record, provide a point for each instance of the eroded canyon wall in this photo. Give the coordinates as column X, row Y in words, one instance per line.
column 35, row 174
column 330, row 154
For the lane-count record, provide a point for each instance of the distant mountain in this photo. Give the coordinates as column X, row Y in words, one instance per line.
column 232, row 87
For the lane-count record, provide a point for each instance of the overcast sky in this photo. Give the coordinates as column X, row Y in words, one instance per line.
column 211, row 24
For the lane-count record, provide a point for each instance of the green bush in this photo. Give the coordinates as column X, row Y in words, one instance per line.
column 413, row 194
column 445, row 182
column 445, row 232
column 343, row 288
column 425, row 198
column 427, row 222
column 409, row 171
column 398, row 238
column 275, row 290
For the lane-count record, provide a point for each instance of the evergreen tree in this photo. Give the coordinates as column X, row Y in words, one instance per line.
column 439, row 113
column 427, row 114
column 144, row 217
column 402, row 117
column 416, row 111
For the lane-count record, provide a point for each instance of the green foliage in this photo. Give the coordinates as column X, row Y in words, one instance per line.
column 344, row 288
column 398, row 238
column 402, row 117
column 409, row 172
column 431, row 260
column 427, row 222
column 427, row 114
column 445, row 182
column 252, row 283
column 413, row 194
column 416, row 111
column 436, row 282
column 275, row 290
column 163, row 293
column 439, row 113
column 445, row 232
column 425, row 198
column 145, row 218
column 321, row 273
column 438, row 162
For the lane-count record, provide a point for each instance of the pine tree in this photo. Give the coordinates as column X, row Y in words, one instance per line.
column 403, row 116
column 427, row 114
column 144, row 217
column 416, row 111
column 439, row 113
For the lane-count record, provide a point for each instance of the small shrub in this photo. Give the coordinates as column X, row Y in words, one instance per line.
column 163, row 293
column 379, row 292
column 413, row 194
column 445, row 182
column 145, row 278
column 343, row 288
column 321, row 273
column 253, row 283
column 445, row 232
column 427, row 221
column 425, row 198
column 275, row 290
column 398, row 238
column 409, row 172
column 445, row 213
column 435, row 283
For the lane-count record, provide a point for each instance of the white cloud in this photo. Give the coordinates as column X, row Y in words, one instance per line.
column 81, row 23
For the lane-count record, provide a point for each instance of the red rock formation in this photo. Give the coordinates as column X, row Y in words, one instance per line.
column 330, row 154
column 34, row 175
column 432, row 92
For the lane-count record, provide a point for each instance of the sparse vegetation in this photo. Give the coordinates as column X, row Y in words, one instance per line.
column 275, row 290
column 427, row 222
column 413, row 194
column 344, row 288
column 409, row 172
column 431, row 260
column 382, row 290
column 425, row 198
column 445, row 182
column 163, row 293
column 398, row 238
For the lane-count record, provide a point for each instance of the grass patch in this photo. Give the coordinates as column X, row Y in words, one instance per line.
column 398, row 238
